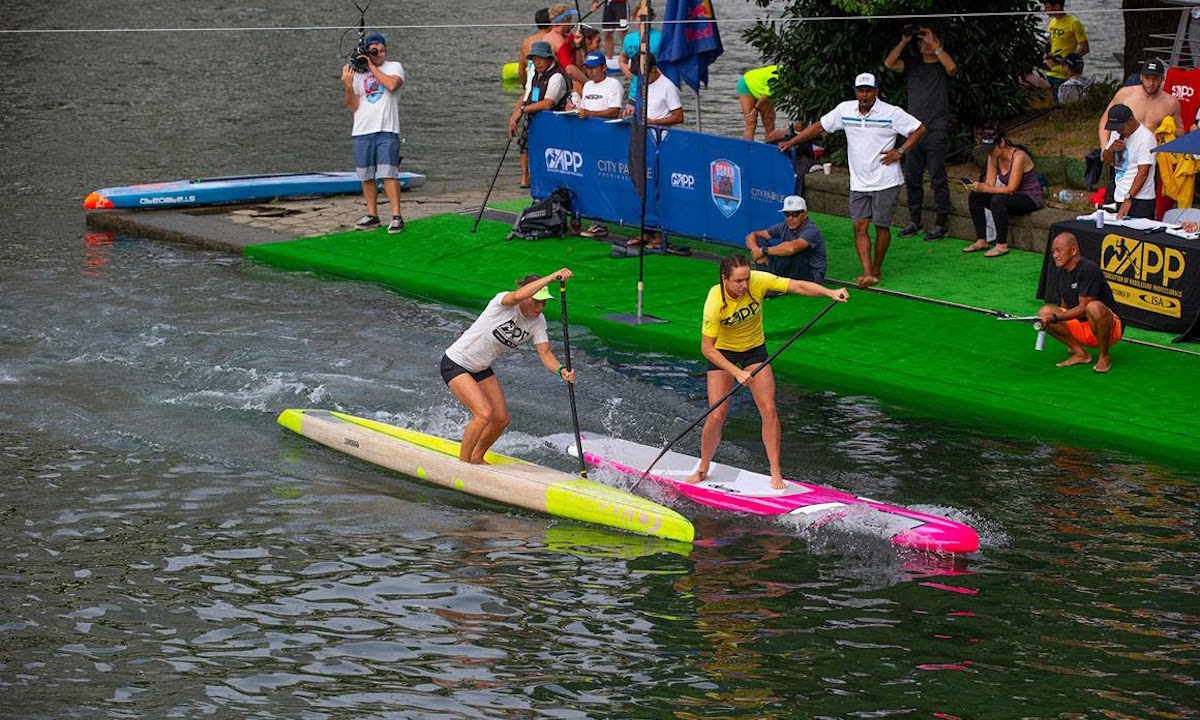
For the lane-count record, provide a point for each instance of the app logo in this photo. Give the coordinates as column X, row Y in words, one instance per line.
column 683, row 180
column 564, row 162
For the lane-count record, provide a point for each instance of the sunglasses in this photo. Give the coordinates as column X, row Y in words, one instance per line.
column 797, row 213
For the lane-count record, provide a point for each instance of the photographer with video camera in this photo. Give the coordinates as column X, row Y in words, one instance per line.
column 1067, row 36
column 927, row 71
column 371, row 85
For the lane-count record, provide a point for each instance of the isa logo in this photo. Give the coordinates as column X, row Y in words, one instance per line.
column 565, row 162
column 726, row 178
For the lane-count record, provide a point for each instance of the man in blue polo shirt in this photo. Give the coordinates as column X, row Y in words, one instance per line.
column 793, row 248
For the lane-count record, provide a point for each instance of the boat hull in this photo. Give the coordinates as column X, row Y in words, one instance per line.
column 736, row 490
column 505, row 479
column 233, row 189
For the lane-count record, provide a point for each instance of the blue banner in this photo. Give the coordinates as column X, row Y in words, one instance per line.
column 690, row 42
column 702, row 186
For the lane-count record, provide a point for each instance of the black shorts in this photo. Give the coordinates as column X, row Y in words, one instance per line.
column 451, row 370
column 614, row 13
column 742, row 358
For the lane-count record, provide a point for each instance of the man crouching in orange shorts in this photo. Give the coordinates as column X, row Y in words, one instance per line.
column 1086, row 317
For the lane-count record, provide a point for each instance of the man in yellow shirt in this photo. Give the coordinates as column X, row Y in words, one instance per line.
column 1067, row 36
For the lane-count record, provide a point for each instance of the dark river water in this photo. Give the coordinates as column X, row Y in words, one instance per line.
column 168, row 551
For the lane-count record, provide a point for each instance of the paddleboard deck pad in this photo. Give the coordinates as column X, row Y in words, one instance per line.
column 736, row 490
column 505, row 479
column 233, row 189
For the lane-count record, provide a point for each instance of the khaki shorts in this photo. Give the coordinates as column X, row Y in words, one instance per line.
column 878, row 206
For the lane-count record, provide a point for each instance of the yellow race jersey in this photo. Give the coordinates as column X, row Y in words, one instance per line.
column 1066, row 33
column 738, row 325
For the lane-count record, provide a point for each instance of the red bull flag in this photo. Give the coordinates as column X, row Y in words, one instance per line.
column 690, row 42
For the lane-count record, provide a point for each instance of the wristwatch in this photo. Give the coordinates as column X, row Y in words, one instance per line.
column 900, row 149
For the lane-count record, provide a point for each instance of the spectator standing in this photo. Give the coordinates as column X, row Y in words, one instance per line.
column 548, row 89
column 632, row 46
column 541, row 19
column 928, row 80
column 1087, row 311
column 614, row 21
column 663, row 109
column 1128, row 151
column 1148, row 101
column 872, row 129
column 793, row 248
column 601, row 97
column 1076, row 86
column 561, row 18
column 754, row 95
column 1067, row 36
column 374, row 98
column 1010, row 187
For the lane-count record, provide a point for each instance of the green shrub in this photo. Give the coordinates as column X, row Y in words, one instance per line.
column 818, row 59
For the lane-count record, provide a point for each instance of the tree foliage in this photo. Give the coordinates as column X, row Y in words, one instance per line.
column 818, row 59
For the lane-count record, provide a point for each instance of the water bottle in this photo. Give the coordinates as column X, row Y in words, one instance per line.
column 1041, row 336
column 1073, row 196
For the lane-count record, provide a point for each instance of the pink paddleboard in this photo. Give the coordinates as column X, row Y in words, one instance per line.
column 730, row 488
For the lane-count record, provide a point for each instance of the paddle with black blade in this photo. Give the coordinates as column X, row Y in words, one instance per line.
column 736, row 387
column 562, row 299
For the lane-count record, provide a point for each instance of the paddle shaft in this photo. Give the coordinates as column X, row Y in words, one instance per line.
column 503, row 155
column 562, row 299
column 736, row 386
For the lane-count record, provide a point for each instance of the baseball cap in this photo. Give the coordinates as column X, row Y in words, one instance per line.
column 376, row 39
column 794, row 203
column 1118, row 115
column 1153, row 66
column 541, row 49
column 595, row 59
column 543, row 294
column 865, row 80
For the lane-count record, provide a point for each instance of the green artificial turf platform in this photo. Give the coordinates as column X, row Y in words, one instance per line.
column 919, row 358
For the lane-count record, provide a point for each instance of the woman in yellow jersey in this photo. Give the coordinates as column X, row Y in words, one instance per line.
column 754, row 94
column 732, row 340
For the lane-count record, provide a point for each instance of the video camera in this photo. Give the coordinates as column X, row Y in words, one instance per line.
column 357, row 58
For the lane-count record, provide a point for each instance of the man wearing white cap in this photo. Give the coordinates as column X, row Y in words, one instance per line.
column 872, row 128
column 793, row 248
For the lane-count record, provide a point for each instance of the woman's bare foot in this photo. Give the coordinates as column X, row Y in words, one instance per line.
column 1102, row 365
column 1084, row 359
column 777, row 483
column 696, row 477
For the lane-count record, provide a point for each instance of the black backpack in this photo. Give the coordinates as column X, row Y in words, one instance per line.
column 546, row 218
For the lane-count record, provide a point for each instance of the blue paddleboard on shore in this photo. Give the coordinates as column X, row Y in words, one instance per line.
column 234, row 189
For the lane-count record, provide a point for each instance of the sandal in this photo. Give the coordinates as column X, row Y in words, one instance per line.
column 996, row 252
column 595, row 230
column 976, row 246
column 634, row 242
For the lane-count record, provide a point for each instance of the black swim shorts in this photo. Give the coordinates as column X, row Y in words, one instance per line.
column 451, row 370
column 742, row 358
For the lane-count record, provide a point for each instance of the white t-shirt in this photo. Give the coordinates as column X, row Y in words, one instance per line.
column 1137, row 152
column 600, row 96
column 378, row 110
column 867, row 137
column 556, row 89
column 499, row 329
column 662, row 98
column 1073, row 89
